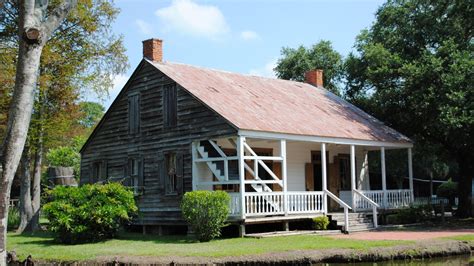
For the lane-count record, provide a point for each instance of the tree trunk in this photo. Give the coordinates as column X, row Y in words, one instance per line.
column 19, row 117
column 26, row 210
column 36, row 190
column 34, row 29
column 466, row 172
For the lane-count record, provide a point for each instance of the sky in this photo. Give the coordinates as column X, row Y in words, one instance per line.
column 239, row 36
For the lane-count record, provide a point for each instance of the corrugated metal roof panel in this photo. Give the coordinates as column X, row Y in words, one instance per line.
column 275, row 105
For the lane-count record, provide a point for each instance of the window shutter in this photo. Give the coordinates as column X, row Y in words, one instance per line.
column 173, row 106
column 165, row 91
column 141, row 182
column 179, row 171
column 161, row 170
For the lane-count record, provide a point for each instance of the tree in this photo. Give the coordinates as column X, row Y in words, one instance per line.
column 86, row 54
column 92, row 112
column 413, row 68
column 295, row 62
column 35, row 26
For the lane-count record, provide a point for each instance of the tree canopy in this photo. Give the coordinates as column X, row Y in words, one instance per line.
column 414, row 69
column 294, row 63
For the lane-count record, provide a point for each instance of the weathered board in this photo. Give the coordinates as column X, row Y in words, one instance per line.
column 113, row 144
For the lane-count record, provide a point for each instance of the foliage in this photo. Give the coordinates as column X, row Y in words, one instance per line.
column 320, row 223
column 448, row 190
column 88, row 213
column 206, row 212
column 92, row 112
column 412, row 214
column 63, row 156
column 296, row 62
column 413, row 69
column 13, row 218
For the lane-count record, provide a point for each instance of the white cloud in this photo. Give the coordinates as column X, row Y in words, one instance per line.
column 188, row 17
column 144, row 27
column 249, row 35
column 266, row 70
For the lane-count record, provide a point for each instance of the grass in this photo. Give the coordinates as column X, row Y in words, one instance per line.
column 469, row 238
column 42, row 246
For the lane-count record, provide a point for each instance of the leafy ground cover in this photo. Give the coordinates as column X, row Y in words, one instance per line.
column 42, row 246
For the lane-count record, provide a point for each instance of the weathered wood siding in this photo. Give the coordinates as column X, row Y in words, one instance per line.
column 113, row 144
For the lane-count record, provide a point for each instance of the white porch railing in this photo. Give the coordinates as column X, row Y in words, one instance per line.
column 394, row 199
column 366, row 203
column 305, row 202
column 234, row 208
column 264, row 203
column 273, row 203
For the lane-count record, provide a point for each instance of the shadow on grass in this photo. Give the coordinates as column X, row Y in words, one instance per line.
column 47, row 239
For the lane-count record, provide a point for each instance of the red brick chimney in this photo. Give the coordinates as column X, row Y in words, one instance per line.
column 314, row 77
column 153, row 50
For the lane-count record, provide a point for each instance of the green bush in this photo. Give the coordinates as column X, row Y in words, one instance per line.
column 63, row 156
column 13, row 218
column 206, row 212
column 88, row 213
column 412, row 214
column 448, row 190
column 320, row 223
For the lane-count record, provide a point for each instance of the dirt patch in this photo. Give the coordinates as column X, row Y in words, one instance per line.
column 420, row 249
column 406, row 235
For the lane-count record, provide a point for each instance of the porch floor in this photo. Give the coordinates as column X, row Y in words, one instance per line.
column 278, row 218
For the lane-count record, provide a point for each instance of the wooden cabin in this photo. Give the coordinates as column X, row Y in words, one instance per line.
column 283, row 150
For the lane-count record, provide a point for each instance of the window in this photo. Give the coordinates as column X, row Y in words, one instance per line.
column 135, row 174
column 98, row 171
column 169, row 106
column 173, row 173
column 171, row 184
column 133, row 113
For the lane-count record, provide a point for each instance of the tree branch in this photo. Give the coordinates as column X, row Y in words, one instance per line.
column 57, row 16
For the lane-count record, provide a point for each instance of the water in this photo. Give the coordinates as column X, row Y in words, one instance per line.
column 445, row 261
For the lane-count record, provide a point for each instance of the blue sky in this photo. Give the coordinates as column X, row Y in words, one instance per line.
column 239, row 36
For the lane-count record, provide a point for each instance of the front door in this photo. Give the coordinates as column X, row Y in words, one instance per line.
column 313, row 172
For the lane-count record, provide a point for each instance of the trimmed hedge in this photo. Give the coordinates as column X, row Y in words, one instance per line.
column 206, row 212
column 88, row 213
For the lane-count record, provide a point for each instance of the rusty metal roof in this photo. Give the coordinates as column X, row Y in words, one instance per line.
column 279, row 106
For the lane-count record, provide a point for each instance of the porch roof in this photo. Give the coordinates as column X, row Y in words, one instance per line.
column 278, row 106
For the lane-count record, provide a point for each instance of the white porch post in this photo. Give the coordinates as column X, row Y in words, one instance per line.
column 353, row 176
column 384, row 176
column 284, row 176
column 324, row 176
column 410, row 175
column 194, row 167
column 240, row 155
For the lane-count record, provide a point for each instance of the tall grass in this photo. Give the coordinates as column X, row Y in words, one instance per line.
column 13, row 218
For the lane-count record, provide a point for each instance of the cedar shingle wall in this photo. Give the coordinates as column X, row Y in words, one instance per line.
column 112, row 142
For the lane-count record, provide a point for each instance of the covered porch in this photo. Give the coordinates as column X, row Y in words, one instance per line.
column 272, row 176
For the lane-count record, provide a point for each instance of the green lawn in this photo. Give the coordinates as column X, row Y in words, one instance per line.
column 42, row 246
column 462, row 237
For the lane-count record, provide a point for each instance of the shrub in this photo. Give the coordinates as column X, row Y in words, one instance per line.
column 13, row 218
column 63, row 156
column 320, row 223
column 412, row 214
column 206, row 212
column 448, row 190
column 88, row 213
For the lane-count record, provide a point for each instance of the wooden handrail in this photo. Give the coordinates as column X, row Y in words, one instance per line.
column 374, row 206
column 338, row 200
column 371, row 202
column 344, row 205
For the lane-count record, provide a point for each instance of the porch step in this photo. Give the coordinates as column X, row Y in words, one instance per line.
column 357, row 221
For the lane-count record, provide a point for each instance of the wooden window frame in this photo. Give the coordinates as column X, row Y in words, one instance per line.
column 101, row 175
column 135, row 179
column 173, row 178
